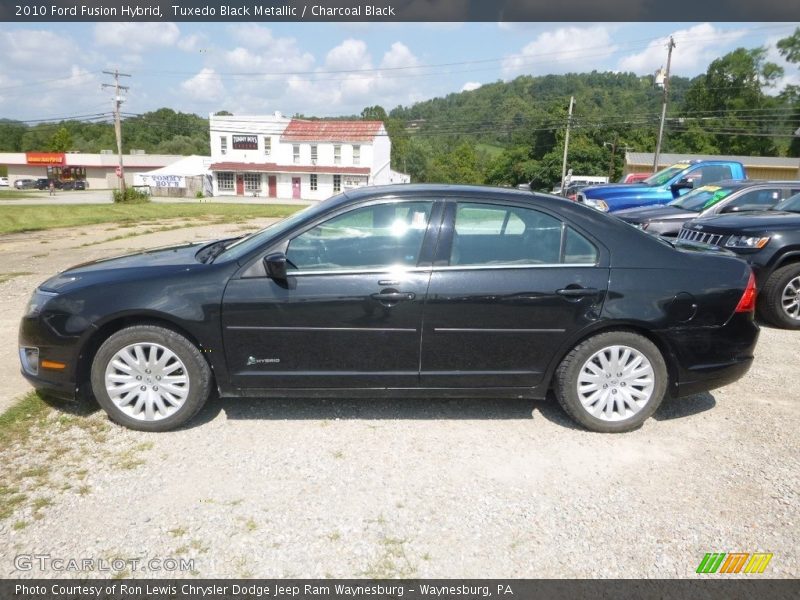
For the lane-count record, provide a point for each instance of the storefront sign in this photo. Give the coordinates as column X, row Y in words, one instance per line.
column 164, row 181
column 245, row 142
column 44, row 158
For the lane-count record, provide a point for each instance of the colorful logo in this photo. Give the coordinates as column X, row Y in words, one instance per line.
column 734, row 562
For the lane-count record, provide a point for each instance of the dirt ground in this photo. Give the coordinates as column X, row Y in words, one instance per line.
column 377, row 488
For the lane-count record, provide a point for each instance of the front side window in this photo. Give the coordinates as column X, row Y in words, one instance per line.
column 313, row 154
column 296, row 154
column 756, row 200
column 267, row 145
column 337, row 155
column 373, row 237
column 225, row 181
column 337, row 183
column 313, row 181
column 356, row 155
column 223, row 144
column 487, row 234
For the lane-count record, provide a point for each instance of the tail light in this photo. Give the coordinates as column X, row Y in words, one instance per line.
column 747, row 303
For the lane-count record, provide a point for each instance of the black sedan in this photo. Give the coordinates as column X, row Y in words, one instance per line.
column 413, row 290
column 770, row 241
column 723, row 197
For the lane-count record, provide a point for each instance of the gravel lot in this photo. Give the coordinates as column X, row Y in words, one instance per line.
column 413, row 488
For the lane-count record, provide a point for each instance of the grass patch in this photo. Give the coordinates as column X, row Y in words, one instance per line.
column 15, row 194
column 392, row 562
column 14, row 219
column 7, row 276
column 17, row 422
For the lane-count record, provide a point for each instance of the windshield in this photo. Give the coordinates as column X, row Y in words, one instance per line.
column 249, row 242
column 664, row 176
column 789, row 205
column 702, row 198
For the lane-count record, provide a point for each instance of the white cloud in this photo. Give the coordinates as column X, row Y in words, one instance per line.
column 136, row 37
column 695, row 48
column 564, row 49
column 470, row 85
column 27, row 49
column 206, row 84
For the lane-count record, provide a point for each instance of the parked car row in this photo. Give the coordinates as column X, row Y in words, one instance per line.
column 43, row 183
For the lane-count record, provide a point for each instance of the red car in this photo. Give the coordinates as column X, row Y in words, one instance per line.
column 634, row 177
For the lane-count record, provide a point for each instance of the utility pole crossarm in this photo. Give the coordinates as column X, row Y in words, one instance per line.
column 117, row 121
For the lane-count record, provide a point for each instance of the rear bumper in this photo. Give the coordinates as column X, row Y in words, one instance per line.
column 709, row 358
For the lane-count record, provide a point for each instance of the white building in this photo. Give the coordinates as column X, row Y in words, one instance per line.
column 277, row 157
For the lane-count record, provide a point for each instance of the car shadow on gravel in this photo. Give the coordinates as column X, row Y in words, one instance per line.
column 365, row 409
column 678, row 408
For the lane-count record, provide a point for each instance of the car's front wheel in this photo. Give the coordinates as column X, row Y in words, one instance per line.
column 150, row 378
column 779, row 302
column 612, row 382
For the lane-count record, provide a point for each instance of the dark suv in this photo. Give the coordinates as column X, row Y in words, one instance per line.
column 43, row 183
column 770, row 241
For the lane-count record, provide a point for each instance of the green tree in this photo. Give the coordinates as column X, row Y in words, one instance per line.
column 61, row 141
column 789, row 47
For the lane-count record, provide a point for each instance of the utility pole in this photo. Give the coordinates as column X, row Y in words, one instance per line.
column 566, row 145
column 117, row 123
column 614, row 147
column 670, row 46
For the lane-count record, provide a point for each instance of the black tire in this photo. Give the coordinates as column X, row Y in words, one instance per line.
column 569, row 371
column 196, row 369
column 770, row 300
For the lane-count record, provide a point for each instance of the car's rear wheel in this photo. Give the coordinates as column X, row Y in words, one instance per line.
column 779, row 302
column 612, row 382
column 150, row 378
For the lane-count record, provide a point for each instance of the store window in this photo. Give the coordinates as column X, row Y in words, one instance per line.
column 252, row 182
column 337, row 155
column 356, row 155
column 296, row 153
column 313, row 182
column 223, row 145
column 337, row 183
column 225, row 181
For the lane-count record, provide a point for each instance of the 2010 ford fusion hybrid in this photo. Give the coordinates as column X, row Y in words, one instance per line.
column 401, row 291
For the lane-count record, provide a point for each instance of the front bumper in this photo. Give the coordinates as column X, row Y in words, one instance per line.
column 54, row 348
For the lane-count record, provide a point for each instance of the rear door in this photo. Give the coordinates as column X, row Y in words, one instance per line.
column 509, row 285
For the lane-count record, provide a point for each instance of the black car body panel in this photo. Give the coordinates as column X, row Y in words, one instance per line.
column 442, row 325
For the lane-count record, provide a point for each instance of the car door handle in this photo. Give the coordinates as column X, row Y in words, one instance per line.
column 393, row 296
column 577, row 292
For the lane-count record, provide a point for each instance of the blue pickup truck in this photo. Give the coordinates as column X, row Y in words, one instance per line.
column 662, row 187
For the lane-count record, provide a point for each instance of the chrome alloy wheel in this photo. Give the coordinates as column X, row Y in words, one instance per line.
column 147, row 381
column 790, row 298
column 615, row 383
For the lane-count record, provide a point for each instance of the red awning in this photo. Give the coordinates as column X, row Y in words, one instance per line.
column 274, row 168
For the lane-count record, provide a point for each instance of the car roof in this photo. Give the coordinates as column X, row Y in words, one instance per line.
column 439, row 189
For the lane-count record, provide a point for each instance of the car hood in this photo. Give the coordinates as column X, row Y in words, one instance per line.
column 765, row 219
column 628, row 190
column 180, row 257
column 661, row 212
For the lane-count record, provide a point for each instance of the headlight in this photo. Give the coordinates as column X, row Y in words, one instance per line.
column 744, row 241
column 37, row 301
column 598, row 204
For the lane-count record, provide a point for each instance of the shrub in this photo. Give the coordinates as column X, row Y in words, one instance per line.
column 131, row 196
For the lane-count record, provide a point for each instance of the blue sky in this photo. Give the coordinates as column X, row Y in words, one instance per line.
column 53, row 70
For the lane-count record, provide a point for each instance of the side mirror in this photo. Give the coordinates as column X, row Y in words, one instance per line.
column 684, row 183
column 275, row 264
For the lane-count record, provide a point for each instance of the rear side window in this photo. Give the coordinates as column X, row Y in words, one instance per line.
column 487, row 235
